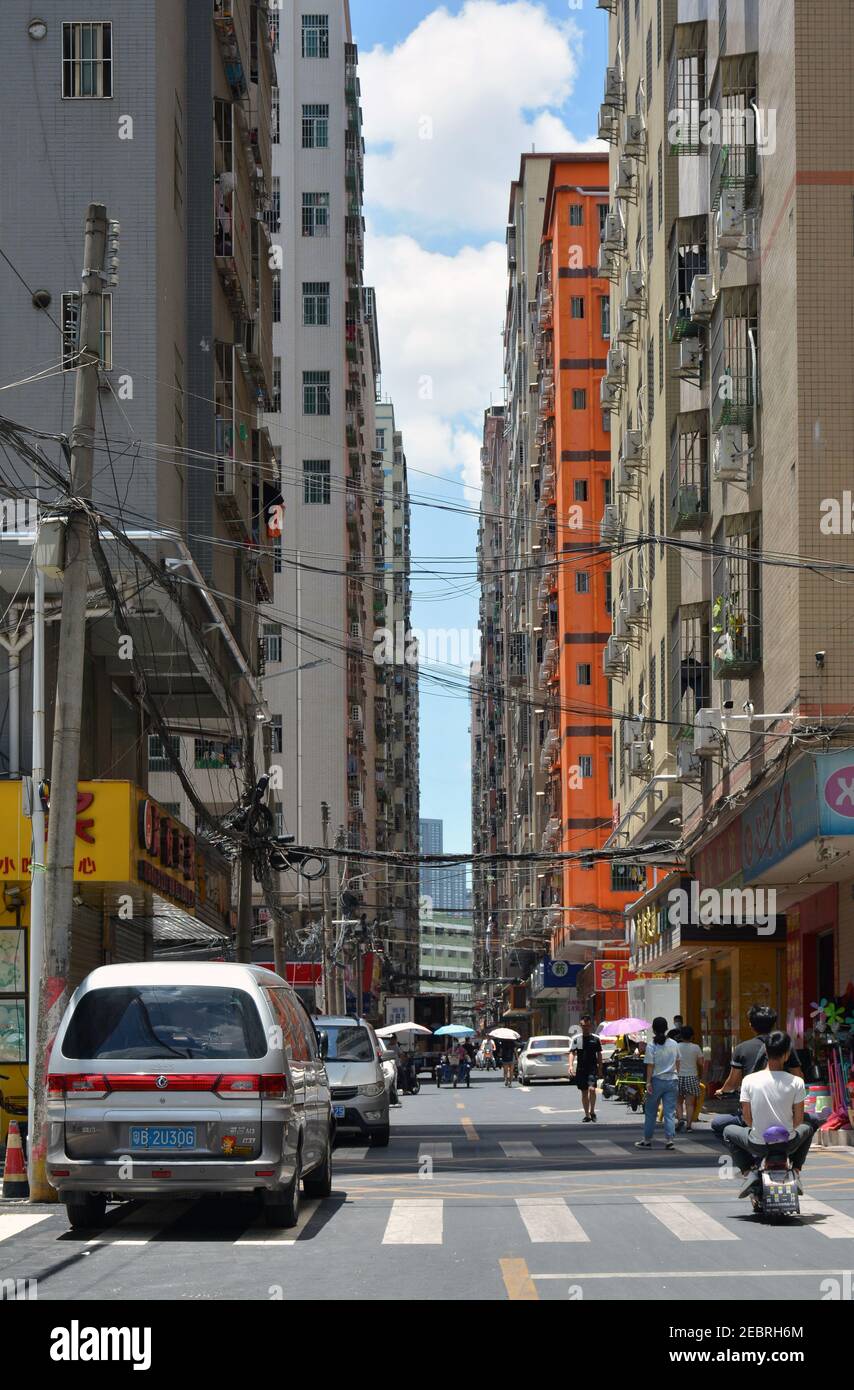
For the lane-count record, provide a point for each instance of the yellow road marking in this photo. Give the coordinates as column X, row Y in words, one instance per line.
column 518, row 1282
column 468, row 1126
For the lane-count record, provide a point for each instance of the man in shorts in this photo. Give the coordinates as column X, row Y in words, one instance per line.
column 586, row 1052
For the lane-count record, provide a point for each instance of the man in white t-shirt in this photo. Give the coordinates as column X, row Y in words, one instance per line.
column 770, row 1099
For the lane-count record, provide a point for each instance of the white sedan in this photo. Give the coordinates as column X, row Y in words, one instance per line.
column 545, row 1059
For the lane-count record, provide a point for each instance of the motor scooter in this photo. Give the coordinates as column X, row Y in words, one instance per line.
column 408, row 1077
column 775, row 1194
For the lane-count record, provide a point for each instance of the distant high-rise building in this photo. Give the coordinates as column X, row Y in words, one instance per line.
column 444, row 884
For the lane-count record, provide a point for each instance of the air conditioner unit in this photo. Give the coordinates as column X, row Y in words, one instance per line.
column 609, row 394
column 639, row 759
column 729, row 457
column 615, row 88
column 729, row 219
column 690, row 356
column 632, row 729
column 615, row 363
column 624, row 481
column 626, row 185
column 708, row 731
column 615, row 233
column 638, row 605
column 606, row 265
column 634, row 134
column 702, row 298
column 622, row 630
column 355, row 714
column 632, row 449
column 614, row 661
column 688, row 763
column 634, row 289
column 607, row 124
column 626, row 325
column 356, row 801
column 610, row 526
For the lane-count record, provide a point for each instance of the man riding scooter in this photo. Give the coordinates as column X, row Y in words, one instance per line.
column 772, row 1101
column 748, row 1057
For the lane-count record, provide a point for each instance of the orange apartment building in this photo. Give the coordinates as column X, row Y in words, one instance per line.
column 575, row 593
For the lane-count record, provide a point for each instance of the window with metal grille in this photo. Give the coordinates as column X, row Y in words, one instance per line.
column 650, row 381
column 577, row 307
column 274, row 115
column 691, row 662
column 662, row 677
column 576, row 214
column 627, row 37
column 649, row 65
column 582, row 582
column 579, row 490
column 315, row 36
column 689, row 470
column 315, row 214
column 273, row 215
column 315, row 303
column 316, row 482
column 315, row 393
column 661, row 349
column 215, row 753
column 688, row 257
column 603, row 214
column 653, row 712
column 687, row 89
column 605, row 315
column 627, row 878
column 651, row 524
column 273, row 17
column 736, row 609
column 585, row 765
column 583, row 673
column 518, row 654
column 277, row 555
column 649, row 225
column 660, row 184
column 315, row 126
column 658, row 34
column 608, row 591
column 734, row 356
column 277, row 385
column 276, row 743
column 722, row 25
column 734, row 155
column 277, row 297
column 579, row 398
column 271, row 642
column 158, row 760
column 70, row 319
column 661, row 522
column 87, row 60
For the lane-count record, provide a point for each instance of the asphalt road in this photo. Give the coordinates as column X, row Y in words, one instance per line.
column 482, row 1193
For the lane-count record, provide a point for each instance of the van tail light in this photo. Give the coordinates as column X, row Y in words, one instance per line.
column 91, row 1085
column 238, row 1084
column 274, row 1086
column 162, row 1081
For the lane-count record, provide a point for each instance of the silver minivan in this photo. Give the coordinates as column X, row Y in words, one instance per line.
column 171, row 1079
column 360, row 1100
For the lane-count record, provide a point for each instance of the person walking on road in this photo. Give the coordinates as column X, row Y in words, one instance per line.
column 691, row 1064
column 508, row 1057
column 662, row 1085
column 461, row 1057
column 585, row 1062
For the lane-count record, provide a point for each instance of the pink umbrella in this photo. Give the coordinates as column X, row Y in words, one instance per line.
column 623, row 1025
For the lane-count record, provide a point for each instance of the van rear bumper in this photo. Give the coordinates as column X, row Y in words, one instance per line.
column 165, row 1176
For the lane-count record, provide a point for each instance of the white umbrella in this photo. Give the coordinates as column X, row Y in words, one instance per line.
column 392, row 1028
column 505, row 1033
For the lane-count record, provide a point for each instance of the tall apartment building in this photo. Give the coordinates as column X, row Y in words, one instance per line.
column 444, row 884
column 319, row 676
column 162, row 113
column 731, row 131
column 396, row 706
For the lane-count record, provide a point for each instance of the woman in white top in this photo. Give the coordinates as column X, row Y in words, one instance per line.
column 691, row 1066
column 662, row 1073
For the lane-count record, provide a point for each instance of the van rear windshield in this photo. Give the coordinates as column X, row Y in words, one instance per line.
column 152, row 1022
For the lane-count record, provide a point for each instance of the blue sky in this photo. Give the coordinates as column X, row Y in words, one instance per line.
column 452, row 96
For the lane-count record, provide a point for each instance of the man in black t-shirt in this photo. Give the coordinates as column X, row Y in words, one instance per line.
column 588, row 1066
column 750, row 1056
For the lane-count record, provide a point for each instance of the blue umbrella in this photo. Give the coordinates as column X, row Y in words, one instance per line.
column 454, row 1030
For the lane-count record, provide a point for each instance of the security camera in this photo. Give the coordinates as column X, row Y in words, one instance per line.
column 819, row 660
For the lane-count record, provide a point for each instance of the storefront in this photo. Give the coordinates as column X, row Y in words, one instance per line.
column 603, row 985
column 554, row 997
column 135, row 867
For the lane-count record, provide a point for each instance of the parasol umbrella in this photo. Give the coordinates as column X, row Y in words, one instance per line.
column 454, row 1030
column 392, row 1028
column 505, row 1034
column 623, row 1025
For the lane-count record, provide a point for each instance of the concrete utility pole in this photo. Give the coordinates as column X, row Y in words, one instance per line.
column 326, row 953
column 37, row 860
column 243, row 943
column 68, row 707
column 340, row 981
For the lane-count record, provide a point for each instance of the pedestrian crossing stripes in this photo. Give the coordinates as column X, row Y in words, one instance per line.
column 519, row 1148
column 684, row 1219
column 548, row 1220
column 13, row 1223
column 835, row 1226
column 415, row 1223
column 564, row 1148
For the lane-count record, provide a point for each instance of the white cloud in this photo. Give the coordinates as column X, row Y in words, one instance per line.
column 440, row 320
column 452, row 107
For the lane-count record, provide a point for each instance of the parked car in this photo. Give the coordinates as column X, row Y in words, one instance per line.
column 351, row 1053
column 545, row 1058
column 207, row 1076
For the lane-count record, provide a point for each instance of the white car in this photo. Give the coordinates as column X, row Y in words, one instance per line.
column 388, row 1062
column 545, row 1058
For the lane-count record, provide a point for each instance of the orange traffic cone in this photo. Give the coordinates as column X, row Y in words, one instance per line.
column 15, row 1173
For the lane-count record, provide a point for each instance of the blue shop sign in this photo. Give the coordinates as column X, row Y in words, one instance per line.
column 835, row 778
column 559, row 974
column 781, row 819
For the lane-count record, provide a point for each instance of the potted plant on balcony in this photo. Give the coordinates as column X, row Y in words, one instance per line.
column 733, row 655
